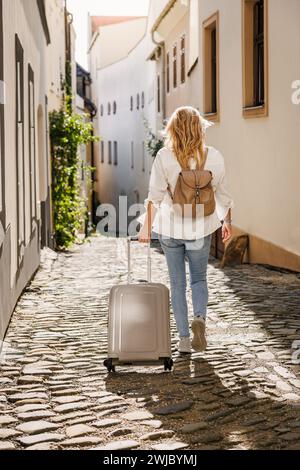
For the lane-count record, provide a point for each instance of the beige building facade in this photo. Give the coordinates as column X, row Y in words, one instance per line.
column 256, row 122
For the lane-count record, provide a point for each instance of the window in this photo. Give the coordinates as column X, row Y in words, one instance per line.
column 143, row 100
column 182, row 59
column 115, row 153
column 258, row 56
column 255, row 51
column 109, row 109
column 109, row 153
column 168, row 72
column 136, row 196
column 21, row 229
column 211, row 67
column 137, row 101
column 32, row 145
column 175, row 66
column 102, row 151
column 143, row 157
column 115, row 107
column 158, row 95
column 131, row 103
column 101, row 110
column 132, row 155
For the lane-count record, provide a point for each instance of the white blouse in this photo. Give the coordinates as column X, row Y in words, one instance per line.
column 167, row 222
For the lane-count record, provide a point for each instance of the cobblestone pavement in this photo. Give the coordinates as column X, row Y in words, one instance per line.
column 242, row 393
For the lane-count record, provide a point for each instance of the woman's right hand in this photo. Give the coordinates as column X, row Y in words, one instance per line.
column 144, row 235
column 226, row 231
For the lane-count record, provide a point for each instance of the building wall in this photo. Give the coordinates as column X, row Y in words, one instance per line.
column 261, row 153
column 111, row 50
column 56, row 53
column 25, row 212
column 178, row 96
column 19, row 253
column 105, row 50
column 126, row 127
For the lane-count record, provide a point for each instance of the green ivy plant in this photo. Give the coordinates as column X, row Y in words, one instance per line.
column 152, row 142
column 67, row 132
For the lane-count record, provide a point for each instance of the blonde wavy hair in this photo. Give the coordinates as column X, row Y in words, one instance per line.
column 185, row 135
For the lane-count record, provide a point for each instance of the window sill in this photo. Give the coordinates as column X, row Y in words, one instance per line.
column 255, row 111
column 213, row 117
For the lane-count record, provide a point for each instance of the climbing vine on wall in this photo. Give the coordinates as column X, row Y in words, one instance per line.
column 67, row 132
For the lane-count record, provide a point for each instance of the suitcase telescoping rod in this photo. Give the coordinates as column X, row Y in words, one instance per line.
column 129, row 277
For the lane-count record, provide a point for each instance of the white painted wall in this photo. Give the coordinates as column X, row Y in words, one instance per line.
column 118, row 82
column 55, row 51
column 26, row 22
column 112, row 50
column 22, row 17
column 126, row 126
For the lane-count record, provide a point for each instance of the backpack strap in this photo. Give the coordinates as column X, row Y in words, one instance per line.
column 204, row 162
column 201, row 168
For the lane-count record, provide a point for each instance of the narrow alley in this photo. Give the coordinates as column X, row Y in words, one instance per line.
column 242, row 393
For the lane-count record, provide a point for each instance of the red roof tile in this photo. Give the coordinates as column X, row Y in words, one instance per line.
column 98, row 21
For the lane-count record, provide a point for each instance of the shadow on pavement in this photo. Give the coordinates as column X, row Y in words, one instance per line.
column 230, row 415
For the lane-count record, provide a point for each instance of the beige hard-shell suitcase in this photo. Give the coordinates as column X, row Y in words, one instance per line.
column 139, row 323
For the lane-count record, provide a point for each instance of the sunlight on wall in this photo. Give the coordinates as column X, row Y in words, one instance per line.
column 80, row 11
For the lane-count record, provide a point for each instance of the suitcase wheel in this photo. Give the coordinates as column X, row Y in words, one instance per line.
column 109, row 365
column 168, row 363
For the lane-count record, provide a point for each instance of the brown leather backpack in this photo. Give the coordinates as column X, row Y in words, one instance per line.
column 194, row 189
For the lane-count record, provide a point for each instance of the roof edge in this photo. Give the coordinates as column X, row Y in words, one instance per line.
column 163, row 14
column 42, row 11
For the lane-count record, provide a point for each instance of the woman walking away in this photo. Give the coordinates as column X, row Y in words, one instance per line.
column 188, row 200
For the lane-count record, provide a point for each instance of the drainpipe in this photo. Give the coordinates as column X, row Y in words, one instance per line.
column 161, row 46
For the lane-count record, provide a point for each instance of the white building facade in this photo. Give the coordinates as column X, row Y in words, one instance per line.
column 26, row 87
column 126, row 95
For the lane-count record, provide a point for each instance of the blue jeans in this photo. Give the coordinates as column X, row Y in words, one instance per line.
column 197, row 253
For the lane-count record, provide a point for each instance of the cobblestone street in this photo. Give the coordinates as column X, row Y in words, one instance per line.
column 242, row 393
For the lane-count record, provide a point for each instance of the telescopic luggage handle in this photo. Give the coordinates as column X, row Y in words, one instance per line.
column 135, row 239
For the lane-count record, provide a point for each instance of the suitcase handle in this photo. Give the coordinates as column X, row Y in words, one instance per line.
column 135, row 239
